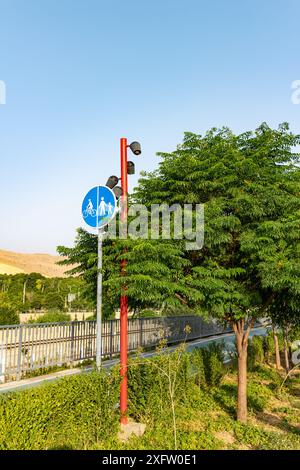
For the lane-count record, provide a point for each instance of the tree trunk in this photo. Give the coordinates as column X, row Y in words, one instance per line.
column 24, row 292
column 242, row 350
column 242, row 379
column 277, row 352
column 286, row 353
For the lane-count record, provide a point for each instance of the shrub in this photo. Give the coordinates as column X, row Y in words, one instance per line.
column 8, row 316
column 258, row 396
column 196, row 367
column 216, row 370
column 143, row 386
column 149, row 379
column 269, row 347
column 73, row 411
column 51, row 317
column 149, row 383
column 148, row 313
column 256, row 353
column 213, row 360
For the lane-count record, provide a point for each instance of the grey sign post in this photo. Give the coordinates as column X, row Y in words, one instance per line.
column 99, row 302
column 98, row 208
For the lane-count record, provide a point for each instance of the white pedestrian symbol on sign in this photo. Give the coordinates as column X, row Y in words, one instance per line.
column 102, row 207
column 99, row 206
column 109, row 208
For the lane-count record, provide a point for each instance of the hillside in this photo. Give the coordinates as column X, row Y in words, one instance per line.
column 14, row 263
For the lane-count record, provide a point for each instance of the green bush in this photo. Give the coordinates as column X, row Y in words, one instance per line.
column 213, row 360
column 258, row 396
column 150, row 379
column 269, row 347
column 8, row 316
column 81, row 412
column 149, row 382
column 51, row 317
column 196, row 367
column 72, row 412
column 148, row 313
column 256, row 352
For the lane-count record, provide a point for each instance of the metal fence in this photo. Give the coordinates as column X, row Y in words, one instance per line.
column 27, row 348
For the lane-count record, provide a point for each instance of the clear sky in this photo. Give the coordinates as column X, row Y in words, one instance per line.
column 80, row 74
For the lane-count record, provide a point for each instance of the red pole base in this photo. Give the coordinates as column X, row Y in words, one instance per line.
column 123, row 359
column 124, row 420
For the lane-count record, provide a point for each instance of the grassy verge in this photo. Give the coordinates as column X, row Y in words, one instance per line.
column 187, row 401
column 207, row 419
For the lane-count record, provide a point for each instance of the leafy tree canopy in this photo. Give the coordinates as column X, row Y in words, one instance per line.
column 249, row 185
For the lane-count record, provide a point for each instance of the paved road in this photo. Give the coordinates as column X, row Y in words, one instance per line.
column 227, row 338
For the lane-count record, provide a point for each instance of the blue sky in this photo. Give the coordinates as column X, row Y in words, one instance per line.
column 80, row 74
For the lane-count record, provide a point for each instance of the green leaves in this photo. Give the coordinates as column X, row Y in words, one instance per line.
column 72, row 412
column 8, row 316
column 249, row 185
column 24, row 292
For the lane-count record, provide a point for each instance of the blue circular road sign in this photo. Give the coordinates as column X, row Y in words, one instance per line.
column 99, row 206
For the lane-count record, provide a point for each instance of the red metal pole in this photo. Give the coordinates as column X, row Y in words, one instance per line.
column 124, row 302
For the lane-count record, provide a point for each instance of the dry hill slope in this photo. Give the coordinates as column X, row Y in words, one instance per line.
column 14, row 263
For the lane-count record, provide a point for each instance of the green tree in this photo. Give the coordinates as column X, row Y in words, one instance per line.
column 285, row 314
column 249, row 185
column 82, row 259
column 154, row 275
column 53, row 300
column 26, row 292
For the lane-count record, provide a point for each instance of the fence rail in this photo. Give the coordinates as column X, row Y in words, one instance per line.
column 26, row 348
